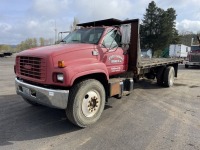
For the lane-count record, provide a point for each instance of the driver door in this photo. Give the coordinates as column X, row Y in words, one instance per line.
column 114, row 57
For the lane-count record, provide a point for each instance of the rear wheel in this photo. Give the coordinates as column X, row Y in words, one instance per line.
column 169, row 76
column 86, row 102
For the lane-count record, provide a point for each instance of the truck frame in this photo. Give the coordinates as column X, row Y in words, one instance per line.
column 80, row 77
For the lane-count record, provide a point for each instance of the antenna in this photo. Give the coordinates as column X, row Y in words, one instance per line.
column 55, row 32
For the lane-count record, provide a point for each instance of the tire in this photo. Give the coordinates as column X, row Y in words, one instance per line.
column 159, row 76
column 169, row 76
column 186, row 66
column 30, row 102
column 86, row 102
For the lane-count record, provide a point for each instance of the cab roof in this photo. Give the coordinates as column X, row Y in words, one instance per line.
column 107, row 22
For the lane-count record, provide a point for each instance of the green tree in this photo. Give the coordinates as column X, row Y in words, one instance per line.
column 5, row 48
column 188, row 38
column 148, row 35
column 42, row 41
column 21, row 46
column 158, row 28
column 34, row 42
column 27, row 44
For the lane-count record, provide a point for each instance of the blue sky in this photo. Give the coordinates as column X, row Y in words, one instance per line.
column 21, row 19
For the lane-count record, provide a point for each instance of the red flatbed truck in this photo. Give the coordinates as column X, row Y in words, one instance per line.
column 90, row 65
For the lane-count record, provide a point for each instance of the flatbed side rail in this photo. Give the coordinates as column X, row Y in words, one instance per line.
column 154, row 62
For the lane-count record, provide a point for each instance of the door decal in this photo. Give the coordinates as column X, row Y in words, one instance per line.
column 114, row 59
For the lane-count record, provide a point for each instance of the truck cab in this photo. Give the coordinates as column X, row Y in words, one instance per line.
column 193, row 56
column 87, row 58
column 106, row 43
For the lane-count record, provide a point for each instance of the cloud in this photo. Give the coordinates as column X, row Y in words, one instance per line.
column 5, row 27
column 32, row 28
column 32, row 24
column 89, row 10
column 43, row 27
column 185, row 9
column 188, row 25
column 50, row 7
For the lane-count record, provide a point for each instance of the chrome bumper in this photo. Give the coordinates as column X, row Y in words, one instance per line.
column 193, row 63
column 44, row 96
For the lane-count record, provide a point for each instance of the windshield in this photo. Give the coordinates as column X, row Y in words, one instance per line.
column 85, row 35
column 194, row 48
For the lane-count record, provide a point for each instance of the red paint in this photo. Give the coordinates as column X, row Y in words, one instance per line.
column 27, row 67
column 78, row 59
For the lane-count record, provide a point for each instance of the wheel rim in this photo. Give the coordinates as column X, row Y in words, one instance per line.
column 171, row 79
column 91, row 103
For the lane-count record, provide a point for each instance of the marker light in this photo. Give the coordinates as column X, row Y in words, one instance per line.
column 61, row 64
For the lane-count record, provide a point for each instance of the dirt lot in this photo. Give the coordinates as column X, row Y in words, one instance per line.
column 151, row 118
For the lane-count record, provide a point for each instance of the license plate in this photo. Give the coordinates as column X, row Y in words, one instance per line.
column 26, row 91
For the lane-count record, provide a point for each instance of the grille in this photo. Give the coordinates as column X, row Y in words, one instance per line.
column 32, row 67
column 195, row 58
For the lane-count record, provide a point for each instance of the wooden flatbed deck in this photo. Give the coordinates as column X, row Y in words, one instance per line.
column 154, row 62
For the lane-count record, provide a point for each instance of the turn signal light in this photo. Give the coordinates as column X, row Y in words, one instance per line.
column 61, row 64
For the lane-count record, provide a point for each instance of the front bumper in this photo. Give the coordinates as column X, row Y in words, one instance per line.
column 193, row 63
column 48, row 97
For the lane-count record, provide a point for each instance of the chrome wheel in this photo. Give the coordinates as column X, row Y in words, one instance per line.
column 91, row 103
column 171, row 79
column 169, row 76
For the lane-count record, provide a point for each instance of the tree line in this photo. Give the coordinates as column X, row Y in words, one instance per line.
column 33, row 42
column 5, row 48
column 27, row 44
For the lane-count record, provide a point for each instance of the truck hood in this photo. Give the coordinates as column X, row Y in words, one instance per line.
column 55, row 50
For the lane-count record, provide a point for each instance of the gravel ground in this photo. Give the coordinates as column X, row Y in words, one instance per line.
column 151, row 118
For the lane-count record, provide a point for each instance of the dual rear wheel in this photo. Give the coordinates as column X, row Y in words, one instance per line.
column 165, row 76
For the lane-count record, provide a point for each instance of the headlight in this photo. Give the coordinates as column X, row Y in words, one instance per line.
column 60, row 77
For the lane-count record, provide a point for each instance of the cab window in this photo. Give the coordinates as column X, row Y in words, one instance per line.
column 112, row 39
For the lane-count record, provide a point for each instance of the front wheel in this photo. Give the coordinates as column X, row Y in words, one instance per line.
column 86, row 102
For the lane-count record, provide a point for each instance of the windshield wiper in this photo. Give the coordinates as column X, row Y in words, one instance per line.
column 62, row 41
column 75, row 40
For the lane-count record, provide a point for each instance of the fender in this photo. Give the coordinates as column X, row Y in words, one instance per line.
column 87, row 69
